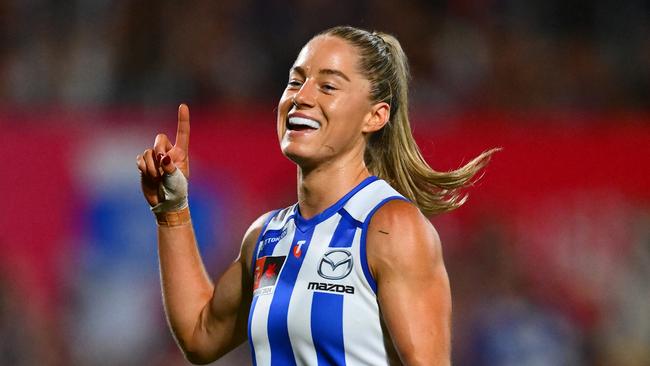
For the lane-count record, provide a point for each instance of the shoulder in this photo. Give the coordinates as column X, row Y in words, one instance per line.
column 252, row 234
column 400, row 235
column 271, row 219
column 401, row 217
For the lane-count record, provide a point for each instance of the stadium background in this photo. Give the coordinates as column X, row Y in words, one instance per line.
column 549, row 260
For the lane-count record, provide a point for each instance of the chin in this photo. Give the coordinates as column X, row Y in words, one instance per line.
column 295, row 154
column 299, row 156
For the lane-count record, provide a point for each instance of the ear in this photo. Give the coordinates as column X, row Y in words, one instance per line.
column 377, row 117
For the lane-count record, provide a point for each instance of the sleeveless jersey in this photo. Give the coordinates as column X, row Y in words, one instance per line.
column 314, row 299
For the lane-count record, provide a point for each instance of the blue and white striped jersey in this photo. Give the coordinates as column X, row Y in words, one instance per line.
column 314, row 300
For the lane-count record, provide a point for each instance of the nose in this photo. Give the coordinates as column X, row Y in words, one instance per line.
column 305, row 96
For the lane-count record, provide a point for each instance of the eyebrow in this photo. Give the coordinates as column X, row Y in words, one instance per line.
column 334, row 72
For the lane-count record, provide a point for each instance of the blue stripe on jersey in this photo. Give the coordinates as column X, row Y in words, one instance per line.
column 347, row 215
column 277, row 327
column 250, row 320
column 327, row 328
column 269, row 240
column 345, row 230
column 303, row 224
column 259, row 239
column 364, row 234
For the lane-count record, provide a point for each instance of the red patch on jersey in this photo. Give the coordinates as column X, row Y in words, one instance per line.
column 267, row 270
column 259, row 266
column 270, row 270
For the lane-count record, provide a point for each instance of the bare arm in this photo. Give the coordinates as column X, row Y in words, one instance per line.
column 207, row 320
column 405, row 256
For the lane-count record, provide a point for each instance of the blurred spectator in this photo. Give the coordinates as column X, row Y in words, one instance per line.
column 16, row 332
column 500, row 324
column 27, row 336
column 626, row 331
column 469, row 54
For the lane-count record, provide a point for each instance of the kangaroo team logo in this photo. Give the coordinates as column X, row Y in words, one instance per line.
column 335, row 264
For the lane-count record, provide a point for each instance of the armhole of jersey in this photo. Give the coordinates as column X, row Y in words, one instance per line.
column 259, row 237
column 364, row 233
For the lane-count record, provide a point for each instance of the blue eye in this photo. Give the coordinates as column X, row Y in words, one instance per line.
column 328, row 87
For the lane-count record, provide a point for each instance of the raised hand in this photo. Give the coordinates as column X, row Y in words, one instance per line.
column 165, row 158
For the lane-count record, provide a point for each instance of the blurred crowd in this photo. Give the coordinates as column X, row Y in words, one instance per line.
column 560, row 278
column 503, row 54
column 564, row 284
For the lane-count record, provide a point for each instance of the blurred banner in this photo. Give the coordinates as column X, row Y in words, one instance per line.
column 549, row 260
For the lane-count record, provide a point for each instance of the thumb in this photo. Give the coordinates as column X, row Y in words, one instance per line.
column 167, row 165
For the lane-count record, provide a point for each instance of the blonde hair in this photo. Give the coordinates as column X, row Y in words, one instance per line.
column 392, row 153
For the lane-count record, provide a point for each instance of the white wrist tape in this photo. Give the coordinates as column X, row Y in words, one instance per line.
column 173, row 191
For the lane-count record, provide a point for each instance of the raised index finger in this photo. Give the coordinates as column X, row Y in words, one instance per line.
column 183, row 131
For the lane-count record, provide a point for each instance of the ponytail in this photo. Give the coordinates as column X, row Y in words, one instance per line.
column 392, row 153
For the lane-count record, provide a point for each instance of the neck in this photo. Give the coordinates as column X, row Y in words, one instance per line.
column 322, row 186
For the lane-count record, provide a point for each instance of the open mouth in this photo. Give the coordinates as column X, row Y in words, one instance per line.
column 302, row 124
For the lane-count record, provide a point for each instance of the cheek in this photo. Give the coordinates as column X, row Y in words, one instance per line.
column 283, row 108
column 285, row 101
column 350, row 111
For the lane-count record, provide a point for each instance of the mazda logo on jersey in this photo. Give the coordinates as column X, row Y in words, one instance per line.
column 335, row 264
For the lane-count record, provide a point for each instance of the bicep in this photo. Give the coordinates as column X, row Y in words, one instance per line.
column 225, row 318
column 228, row 309
column 412, row 287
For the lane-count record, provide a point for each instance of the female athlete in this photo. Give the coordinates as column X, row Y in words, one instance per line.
column 352, row 274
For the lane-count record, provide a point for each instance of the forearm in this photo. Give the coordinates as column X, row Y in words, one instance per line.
column 186, row 287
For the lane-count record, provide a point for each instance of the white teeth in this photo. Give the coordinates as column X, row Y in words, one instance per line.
column 300, row 121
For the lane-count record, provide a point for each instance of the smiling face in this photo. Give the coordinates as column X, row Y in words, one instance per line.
column 325, row 110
